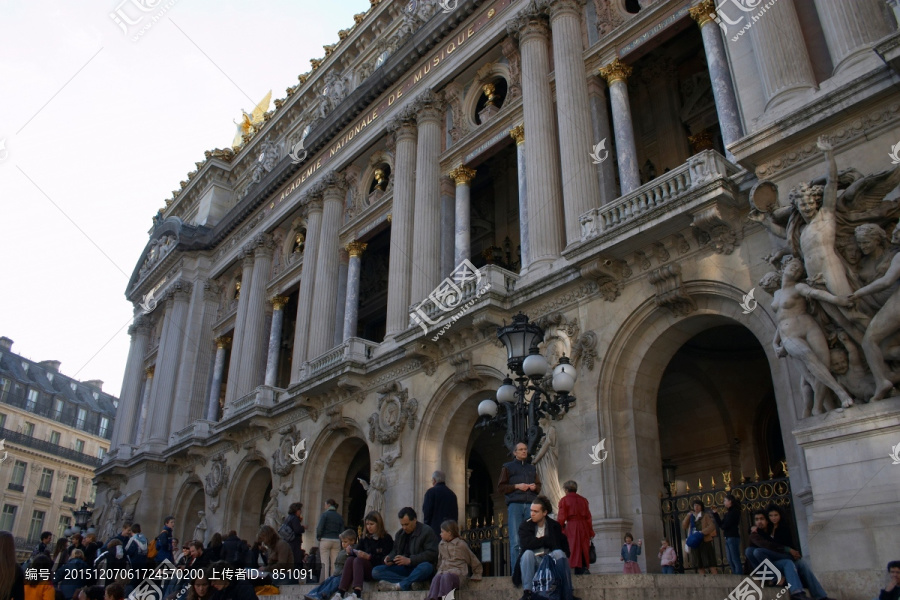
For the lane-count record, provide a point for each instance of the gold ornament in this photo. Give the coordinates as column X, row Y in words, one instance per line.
column 615, row 71
column 462, row 175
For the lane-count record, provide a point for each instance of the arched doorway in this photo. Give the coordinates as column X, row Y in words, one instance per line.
column 249, row 493
column 189, row 501
column 355, row 494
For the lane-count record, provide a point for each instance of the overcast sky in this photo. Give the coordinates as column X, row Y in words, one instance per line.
column 97, row 129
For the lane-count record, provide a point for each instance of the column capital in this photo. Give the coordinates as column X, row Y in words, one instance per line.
column 223, row 341
column 211, row 290
column 334, row 186
column 150, row 371
column 530, row 22
column 140, row 326
column 263, row 245
column 356, row 248
column 180, row 290
column 561, row 7
column 428, row 107
column 462, row 175
column 703, row 12
column 278, row 302
column 518, row 134
column 615, row 71
column 312, row 203
column 403, row 126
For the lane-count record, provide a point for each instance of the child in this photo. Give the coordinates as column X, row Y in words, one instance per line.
column 330, row 585
column 667, row 558
column 454, row 560
column 630, row 552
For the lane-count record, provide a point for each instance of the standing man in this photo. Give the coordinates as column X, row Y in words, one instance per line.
column 440, row 503
column 165, row 541
column 520, row 483
column 413, row 558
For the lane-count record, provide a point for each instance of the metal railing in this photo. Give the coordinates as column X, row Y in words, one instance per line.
column 489, row 542
column 14, row 437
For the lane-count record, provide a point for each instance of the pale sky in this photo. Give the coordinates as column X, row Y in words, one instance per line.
column 99, row 130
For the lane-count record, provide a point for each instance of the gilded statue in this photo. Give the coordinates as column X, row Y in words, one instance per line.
column 251, row 121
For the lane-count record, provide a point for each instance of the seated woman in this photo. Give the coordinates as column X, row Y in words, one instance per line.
column 371, row 550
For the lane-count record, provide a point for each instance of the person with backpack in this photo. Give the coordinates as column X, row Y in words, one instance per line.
column 544, row 546
column 292, row 530
column 234, row 550
column 163, row 543
column 136, row 548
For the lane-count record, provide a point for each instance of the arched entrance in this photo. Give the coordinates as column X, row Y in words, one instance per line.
column 188, row 502
column 249, row 493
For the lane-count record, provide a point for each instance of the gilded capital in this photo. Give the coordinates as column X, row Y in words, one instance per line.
column 223, row 341
column 518, row 134
column 462, row 175
column 356, row 248
column 615, row 71
column 149, row 371
column 703, row 12
column 278, row 302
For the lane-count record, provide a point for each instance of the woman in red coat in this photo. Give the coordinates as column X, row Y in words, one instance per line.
column 575, row 518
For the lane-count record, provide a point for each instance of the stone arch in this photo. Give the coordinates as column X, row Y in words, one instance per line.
column 379, row 159
column 246, row 498
column 189, row 499
column 496, row 70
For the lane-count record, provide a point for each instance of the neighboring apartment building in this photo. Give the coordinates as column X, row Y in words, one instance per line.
column 56, row 431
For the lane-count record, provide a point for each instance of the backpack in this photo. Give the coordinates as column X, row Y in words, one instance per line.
column 154, row 545
column 286, row 531
column 545, row 583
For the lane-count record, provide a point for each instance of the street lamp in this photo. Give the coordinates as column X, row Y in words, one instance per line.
column 522, row 402
column 83, row 516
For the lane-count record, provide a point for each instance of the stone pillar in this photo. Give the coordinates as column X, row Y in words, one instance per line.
column 240, row 320
column 400, row 263
column 448, row 226
column 784, row 67
column 212, row 404
column 606, row 170
column 518, row 134
column 426, row 257
column 274, row 352
column 463, row 177
column 850, row 29
column 579, row 181
column 615, row 74
column 145, row 406
column 255, row 338
column 321, row 335
column 168, row 359
column 543, row 172
column 130, row 398
column 341, row 301
column 719, row 75
column 307, row 284
column 351, row 312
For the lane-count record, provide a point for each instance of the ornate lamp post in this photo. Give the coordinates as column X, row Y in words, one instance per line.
column 82, row 517
column 524, row 401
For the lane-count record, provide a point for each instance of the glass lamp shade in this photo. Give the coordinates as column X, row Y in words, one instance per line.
column 487, row 408
column 507, row 391
column 519, row 337
column 67, row 532
column 566, row 367
column 535, row 365
column 563, row 382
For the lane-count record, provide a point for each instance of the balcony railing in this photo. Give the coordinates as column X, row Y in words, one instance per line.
column 44, row 493
column 430, row 311
column 16, row 487
column 14, row 437
column 69, row 499
column 353, row 350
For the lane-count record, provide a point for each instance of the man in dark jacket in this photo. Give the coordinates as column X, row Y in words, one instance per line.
column 413, row 558
column 294, row 520
column 538, row 536
column 234, row 550
column 164, row 548
column 440, row 503
column 44, row 547
column 520, row 483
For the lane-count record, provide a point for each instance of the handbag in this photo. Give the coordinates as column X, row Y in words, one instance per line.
column 286, row 531
column 592, row 554
column 696, row 537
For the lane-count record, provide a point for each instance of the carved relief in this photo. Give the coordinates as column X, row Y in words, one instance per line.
column 609, row 274
column 584, row 350
column 216, row 480
column 670, row 292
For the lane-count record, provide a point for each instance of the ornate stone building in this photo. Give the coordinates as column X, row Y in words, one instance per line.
column 618, row 170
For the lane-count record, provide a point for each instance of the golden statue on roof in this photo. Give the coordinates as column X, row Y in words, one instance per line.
column 251, row 121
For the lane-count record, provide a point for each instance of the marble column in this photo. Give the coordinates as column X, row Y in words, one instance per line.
column 400, row 261
column 313, row 205
column 463, row 177
column 321, row 330
column 606, row 170
column 168, row 360
column 518, row 134
column 850, row 29
column 255, row 338
column 145, row 406
column 543, row 171
column 341, row 300
column 274, row 351
column 719, row 75
column 130, row 398
column 616, row 73
column 785, row 70
column 234, row 368
column 448, row 225
column 215, row 391
column 351, row 312
column 426, row 271
column 579, row 179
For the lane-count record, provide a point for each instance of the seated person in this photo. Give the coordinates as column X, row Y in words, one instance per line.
column 371, row 550
column 538, row 536
column 330, row 585
column 892, row 590
column 413, row 557
column 227, row 586
column 455, row 558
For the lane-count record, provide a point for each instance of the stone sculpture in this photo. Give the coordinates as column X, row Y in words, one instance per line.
column 375, row 489
column 200, row 529
column 547, row 462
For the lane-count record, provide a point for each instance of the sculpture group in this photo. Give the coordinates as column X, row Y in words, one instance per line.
column 835, row 290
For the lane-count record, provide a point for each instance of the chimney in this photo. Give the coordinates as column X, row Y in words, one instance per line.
column 6, row 343
column 96, row 383
column 51, row 365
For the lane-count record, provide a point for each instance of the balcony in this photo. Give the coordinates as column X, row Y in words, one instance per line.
column 44, row 493
column 69, row 499
column 15, row 487
column 14, row 437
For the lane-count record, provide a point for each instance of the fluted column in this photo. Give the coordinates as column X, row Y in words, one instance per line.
column 543, row 171
column 719, row 75
column 400, row 261
column 255, row 340
column 274, row 352
column 579, row 179
column 785, row 70
column 321, row 334
column 307, row 284
column 616, row 73
column 606, row 170
column 518, row 134
column 426, row 272
column 850, row 29
column 462, row 176
column 232, row 392
column 130, row 398
column 145, row 406
column 212, row 404
column 351, row 312
column 168, row 360
column 448, row 225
